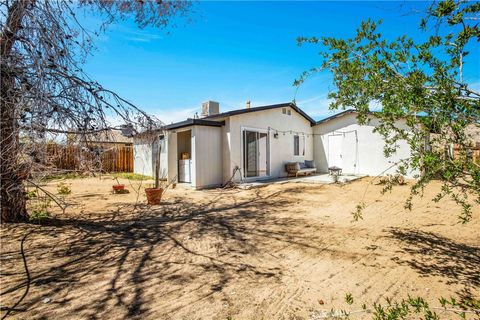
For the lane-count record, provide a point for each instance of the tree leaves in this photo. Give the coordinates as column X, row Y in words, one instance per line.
column 420, row 83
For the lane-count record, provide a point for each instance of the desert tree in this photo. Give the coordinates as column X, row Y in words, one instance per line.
column 44, row 90
column 420, row 82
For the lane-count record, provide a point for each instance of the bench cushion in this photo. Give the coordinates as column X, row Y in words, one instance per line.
column 310, row 164
column 306, row 170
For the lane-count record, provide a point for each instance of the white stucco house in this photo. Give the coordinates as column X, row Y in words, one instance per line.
column 255, row 143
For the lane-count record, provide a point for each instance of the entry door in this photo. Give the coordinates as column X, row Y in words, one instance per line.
column 335, row 150
column 255, row 154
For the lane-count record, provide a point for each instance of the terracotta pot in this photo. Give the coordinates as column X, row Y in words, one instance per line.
column 154, row 195
column 118, row 187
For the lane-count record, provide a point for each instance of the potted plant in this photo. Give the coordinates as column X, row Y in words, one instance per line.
column 118, row 188
column 154, row 195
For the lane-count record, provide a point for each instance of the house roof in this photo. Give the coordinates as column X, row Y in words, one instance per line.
column 194, row 122
column 335, row 116
column 262, row 108
column 109, row 136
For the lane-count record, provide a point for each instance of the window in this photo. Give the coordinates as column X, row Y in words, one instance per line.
column 284, row 110
column 296, row 145
column 289, row 112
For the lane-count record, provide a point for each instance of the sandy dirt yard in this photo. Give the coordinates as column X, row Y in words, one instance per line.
column 284, row 251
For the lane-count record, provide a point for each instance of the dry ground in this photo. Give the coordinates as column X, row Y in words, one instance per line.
column 276, row 252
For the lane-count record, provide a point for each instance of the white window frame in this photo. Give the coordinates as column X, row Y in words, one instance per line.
column 301, row 153
column 269, row 162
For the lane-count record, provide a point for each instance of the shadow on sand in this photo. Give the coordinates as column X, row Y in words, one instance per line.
column 134, row 261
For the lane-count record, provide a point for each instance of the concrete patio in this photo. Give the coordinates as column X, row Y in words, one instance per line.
column 322, row 178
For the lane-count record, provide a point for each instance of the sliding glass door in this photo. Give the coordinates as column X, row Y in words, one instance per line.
column 255, row 154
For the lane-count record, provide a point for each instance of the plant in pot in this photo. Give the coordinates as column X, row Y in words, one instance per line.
column 154, row 195
column 118, row 188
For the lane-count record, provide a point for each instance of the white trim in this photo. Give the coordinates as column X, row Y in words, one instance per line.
column 242, row 169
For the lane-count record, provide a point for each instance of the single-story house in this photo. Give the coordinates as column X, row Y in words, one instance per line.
column 256, row 143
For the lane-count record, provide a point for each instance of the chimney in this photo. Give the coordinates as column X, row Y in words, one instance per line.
column 248, row 104
column 210, row 108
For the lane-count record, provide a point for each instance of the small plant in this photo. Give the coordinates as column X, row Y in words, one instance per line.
column 40, row 211
column 31, row 194
column 39, row 215
column 404, row 309
column 389, row 181
column 357, row 214
column 63, row 189
column 349, row 298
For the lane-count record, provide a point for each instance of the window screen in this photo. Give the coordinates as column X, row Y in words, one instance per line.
column 296, row 145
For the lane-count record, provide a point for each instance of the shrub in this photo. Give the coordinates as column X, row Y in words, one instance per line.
column 63, row 189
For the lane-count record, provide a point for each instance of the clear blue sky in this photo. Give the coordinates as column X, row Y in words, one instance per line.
column 232, row 52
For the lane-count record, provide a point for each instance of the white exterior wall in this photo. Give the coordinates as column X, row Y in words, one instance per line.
column 172, row 156
column 364, row 157
column 280, row 149
column 142, row 157
column 144, row 154
column 206, row 155
column 207, row 159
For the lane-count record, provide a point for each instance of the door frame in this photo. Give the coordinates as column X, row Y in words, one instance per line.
column 242, row 130
column 328, row 149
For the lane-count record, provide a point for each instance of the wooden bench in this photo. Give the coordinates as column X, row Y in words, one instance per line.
column 294, row 169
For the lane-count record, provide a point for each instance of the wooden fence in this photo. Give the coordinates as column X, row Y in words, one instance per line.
column 473, row 153
column 105, row 158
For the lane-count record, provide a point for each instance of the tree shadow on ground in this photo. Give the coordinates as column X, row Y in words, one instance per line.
column 433, row 255
column 135, row 264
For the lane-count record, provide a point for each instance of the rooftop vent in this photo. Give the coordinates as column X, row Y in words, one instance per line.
column 210, row 108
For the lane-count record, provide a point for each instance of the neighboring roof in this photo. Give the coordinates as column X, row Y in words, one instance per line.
column 335, row 116
column 262, row 108
column 110, row 136
column 194, row 122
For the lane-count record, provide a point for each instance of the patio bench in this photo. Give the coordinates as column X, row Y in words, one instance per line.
column 300, row 168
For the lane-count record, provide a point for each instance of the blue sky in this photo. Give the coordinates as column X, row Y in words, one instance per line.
column 232, row 52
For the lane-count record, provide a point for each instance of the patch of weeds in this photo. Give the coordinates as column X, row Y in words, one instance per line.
column 349, row 298
column 39, row 215
column 404, row 309
column 40, row 211
column 131, row 176
column 31, row 194
column 61, row 176
column 357, row 214
column 63, row 189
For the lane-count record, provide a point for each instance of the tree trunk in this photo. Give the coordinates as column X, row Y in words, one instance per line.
column 12, row 190
column 12, row 195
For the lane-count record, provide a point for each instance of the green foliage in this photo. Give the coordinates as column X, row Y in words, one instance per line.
column 39, row 211
column 31, row 194
column 357, row 214
column 467, row 304
column 39, row 215
column 61, row 176
column 403, row 309
column 131, row 176
column 349, row 298
column 63, row 189
column 420, row 84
